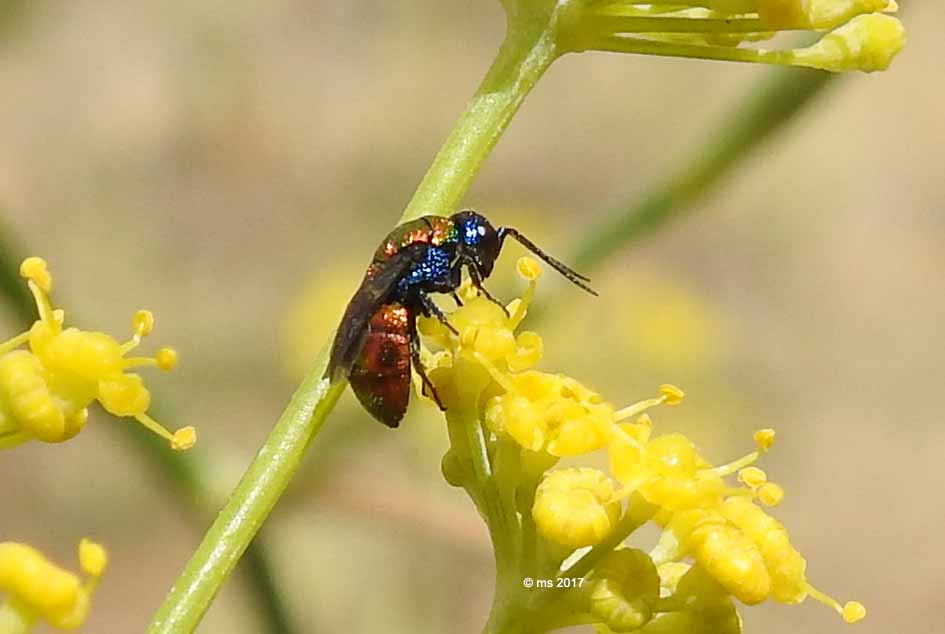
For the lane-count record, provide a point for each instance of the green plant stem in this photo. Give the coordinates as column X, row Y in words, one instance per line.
column 182, row 472
column 249, row 504
column 765, row 110
column 527, row 51
column 529, row 48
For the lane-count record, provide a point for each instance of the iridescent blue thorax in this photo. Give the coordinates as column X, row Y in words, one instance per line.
column 430, row 274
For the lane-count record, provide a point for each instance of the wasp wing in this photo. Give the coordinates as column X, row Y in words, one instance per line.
column 374, row 292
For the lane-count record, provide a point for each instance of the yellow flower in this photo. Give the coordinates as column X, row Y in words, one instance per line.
column 510, row 423
column 575, row 507
column 38, row 590
column 668, row 470
column 623, row 589
column 747, row 552
column 697, row 605
column 861, row 36
column 45, row 390
column 724, row 552
column 551, row 412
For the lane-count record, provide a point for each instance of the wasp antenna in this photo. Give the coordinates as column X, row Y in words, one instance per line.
column 573, row 276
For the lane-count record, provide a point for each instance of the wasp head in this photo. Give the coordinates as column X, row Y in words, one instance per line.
column 479, row 242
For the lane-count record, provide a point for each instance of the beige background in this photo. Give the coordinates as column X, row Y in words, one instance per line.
column 208, row 159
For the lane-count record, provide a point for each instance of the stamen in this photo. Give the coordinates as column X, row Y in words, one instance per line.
column 530, row 271
column 15, row 342
column 669, row 394
column 43, row 306
column 851, row 611
column 731, row 467
column 137, row 362
column 493, row 371
column 164, row 359
column 181, row 440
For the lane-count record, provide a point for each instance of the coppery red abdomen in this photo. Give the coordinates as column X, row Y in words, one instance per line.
column 381, row 376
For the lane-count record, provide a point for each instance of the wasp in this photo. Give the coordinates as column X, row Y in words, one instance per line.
column 377, row 343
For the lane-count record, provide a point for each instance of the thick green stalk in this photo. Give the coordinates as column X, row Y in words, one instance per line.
column 527, row 51
column 765, row 110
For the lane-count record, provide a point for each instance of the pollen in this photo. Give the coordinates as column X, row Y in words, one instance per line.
column 93, row 558
column 142, row 323
column 672, row 395
column 764, row 439
column 166, row 359
column 184, row 438
column 528, row 269
column 35, row 270
column 853, row 611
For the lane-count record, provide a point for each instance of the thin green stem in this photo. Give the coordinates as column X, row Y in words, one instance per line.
column 640, row 24
column 641, row 46
column 527, row 51
column 767, row 108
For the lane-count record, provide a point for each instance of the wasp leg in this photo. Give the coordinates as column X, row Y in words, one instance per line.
column 456, row 299
column 477, row 282
column 418, row 366
column 430, row 308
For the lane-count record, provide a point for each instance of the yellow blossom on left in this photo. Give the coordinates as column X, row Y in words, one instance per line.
column 39, row 590
column 46, row 388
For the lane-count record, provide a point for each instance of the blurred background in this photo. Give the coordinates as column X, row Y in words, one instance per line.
column 232, row 166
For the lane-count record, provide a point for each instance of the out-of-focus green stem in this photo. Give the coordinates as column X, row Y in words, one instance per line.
column 181, row 471
column 764, row 111
column 527, row 51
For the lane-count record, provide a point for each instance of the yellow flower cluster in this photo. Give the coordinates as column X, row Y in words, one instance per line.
column 717, row 542
column 39, row 590
column 860, row 34
column 45, row 390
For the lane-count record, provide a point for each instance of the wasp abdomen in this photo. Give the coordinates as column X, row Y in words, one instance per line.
column 381, row 376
